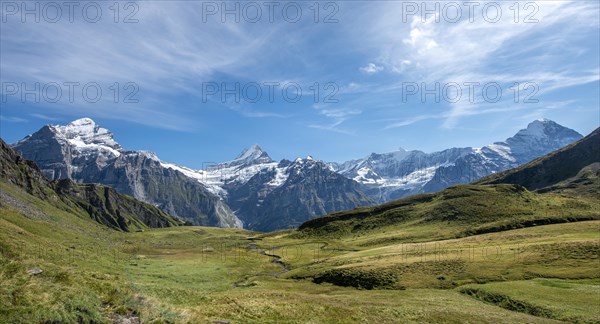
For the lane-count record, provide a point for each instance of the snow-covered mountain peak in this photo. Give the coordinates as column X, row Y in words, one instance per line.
column 537, row 127
column 250, row 156
column 543, row 128
column 85, row 136
column 85, row 152
column 309, row 160
column 309, row 163
column 84, row 127
column 541, row 135
column 253, row 151
column 82, row 122
column 400, row 173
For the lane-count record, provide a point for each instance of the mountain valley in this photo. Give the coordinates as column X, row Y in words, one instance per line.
column 255, row 192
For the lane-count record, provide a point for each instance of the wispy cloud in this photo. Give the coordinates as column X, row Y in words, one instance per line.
column 44, row 117
column 526, row 113
column 170, row 52
column 505, row 52
column 11, row 119
column 337, row 116
column 368, row 54
column 413, row 120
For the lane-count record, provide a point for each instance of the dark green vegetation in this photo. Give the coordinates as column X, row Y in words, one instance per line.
column 496, row 253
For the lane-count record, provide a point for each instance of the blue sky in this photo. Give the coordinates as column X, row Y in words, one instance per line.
column 365, row 59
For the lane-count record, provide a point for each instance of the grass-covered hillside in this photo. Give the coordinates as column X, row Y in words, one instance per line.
column 454, row 212
column 562, row 186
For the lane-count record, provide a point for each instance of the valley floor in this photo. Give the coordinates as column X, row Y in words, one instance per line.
column 547, row 273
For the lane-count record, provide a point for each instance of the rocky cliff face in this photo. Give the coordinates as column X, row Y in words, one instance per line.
column 84, row 152
column 106, row 206
column 268, row 195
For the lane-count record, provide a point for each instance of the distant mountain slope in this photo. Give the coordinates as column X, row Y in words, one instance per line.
column 402, row 173
column 553, row 168
column 85, row 152
column 268, row 195
column 103, row 204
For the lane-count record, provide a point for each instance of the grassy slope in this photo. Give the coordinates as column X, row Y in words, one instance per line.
column 565, row 300
column 455, row 212
column 585, row 184
column 92, row 273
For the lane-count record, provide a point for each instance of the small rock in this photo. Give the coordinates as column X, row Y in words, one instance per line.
column 34, row 271
column 221, row 322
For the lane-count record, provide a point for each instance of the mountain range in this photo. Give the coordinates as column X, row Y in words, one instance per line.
column 258, row 193
column 85, row 152
column 403, row 173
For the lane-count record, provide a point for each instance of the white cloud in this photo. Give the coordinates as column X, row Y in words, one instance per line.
column 422, row 35
column 371, row 68
column 44, row 117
